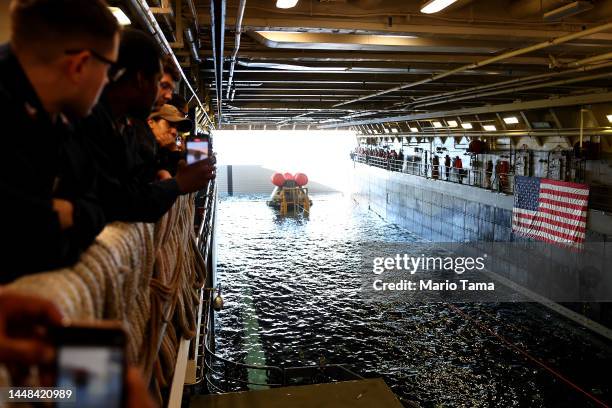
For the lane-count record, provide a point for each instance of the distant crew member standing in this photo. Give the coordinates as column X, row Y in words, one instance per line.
column 458, row 165
column 447, row 166
column 435, row 167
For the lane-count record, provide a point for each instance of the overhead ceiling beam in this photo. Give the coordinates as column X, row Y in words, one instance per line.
column 522, row 80
column 365, row 27
column 237, row 36
column 516, row 90
column 507, row 107
column 369, row 42
column 497, row 58
column 142, row 10
column 351, row 56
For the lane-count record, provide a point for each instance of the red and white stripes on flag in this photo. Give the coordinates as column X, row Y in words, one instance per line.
column 550, row 210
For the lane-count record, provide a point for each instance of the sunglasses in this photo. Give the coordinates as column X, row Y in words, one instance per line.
column 114, row 73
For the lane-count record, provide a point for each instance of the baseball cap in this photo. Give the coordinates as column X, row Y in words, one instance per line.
column 174, row 116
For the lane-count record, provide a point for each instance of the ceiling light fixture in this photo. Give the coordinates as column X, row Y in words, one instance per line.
column 466, row 125
column 451, row 123
column 489, row 128
column 437, row 124
column 285, row 4
column 541, row 125
column 433, row 6
column 609, row 118
column 414, row 130
column 120, row 16
column 511, row 120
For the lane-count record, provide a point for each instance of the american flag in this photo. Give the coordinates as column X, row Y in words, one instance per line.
column 550, row 210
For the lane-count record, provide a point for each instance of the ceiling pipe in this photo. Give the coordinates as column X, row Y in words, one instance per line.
column 217, row 27
column 568, row 10
column 574, row 100
column 165, row 12
column 526, row 8
column 194, row 13
column 142, row 10
column 282, row 122
column 488, row 61
column 516, row 81
column 519, row 89
column 193, row 48
column 589, row 60
column 241, row 8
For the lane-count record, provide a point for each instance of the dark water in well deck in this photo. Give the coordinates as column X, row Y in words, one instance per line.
column 291, row 298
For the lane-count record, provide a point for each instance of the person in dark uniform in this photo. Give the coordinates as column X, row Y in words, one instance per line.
column 127, row 186
column 447, row 166
column 144, row 139
column 51, row 72
column 179, row 103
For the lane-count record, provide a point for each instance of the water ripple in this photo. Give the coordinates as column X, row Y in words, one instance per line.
column 300, row 277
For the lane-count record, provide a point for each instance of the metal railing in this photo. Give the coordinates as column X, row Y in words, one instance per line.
column 206, row 201
column 224, row 375
column 490, row 180
column 601, row 197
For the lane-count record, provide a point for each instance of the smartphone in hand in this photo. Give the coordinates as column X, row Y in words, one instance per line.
column 91, row 360
column 197, row 150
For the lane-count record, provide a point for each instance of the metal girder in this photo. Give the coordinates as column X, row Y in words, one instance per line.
column 369, row 42
column 351, row 56
column 516, row 90
column 217, row 11
column 507, row 107
column 321, row 24
column 141, row 9
column 488, row 61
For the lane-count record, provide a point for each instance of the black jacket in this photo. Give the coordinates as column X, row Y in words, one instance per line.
column 125, row 178
column 152, row 153
column 41, row 159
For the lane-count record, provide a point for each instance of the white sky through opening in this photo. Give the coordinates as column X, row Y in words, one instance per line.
column 322, row 155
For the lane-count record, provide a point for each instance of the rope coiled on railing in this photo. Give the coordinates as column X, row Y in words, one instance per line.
column 145, row 275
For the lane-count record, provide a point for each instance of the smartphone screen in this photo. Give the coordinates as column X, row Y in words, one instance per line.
column 196, row 151
column 92, row 364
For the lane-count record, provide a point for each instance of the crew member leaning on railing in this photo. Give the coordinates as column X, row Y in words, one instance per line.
column 61, row 187
column 51, row 73
column 126, row 186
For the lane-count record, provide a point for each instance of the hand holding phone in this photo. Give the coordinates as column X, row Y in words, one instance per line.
column 196, row 151
column 25, row 321
column 91, row 361
column 193, row 177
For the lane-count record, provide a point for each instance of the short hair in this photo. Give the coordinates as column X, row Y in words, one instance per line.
column 177, row 101
column 170, row 68
column 138, row 52
column 42, row 26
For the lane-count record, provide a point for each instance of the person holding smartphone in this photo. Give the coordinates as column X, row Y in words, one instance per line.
column 33, row 332
column 127, row 188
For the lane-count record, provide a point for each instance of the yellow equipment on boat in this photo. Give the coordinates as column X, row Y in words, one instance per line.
column 290, row 193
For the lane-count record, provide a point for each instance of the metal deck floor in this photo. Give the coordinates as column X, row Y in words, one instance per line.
column 371, row 393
